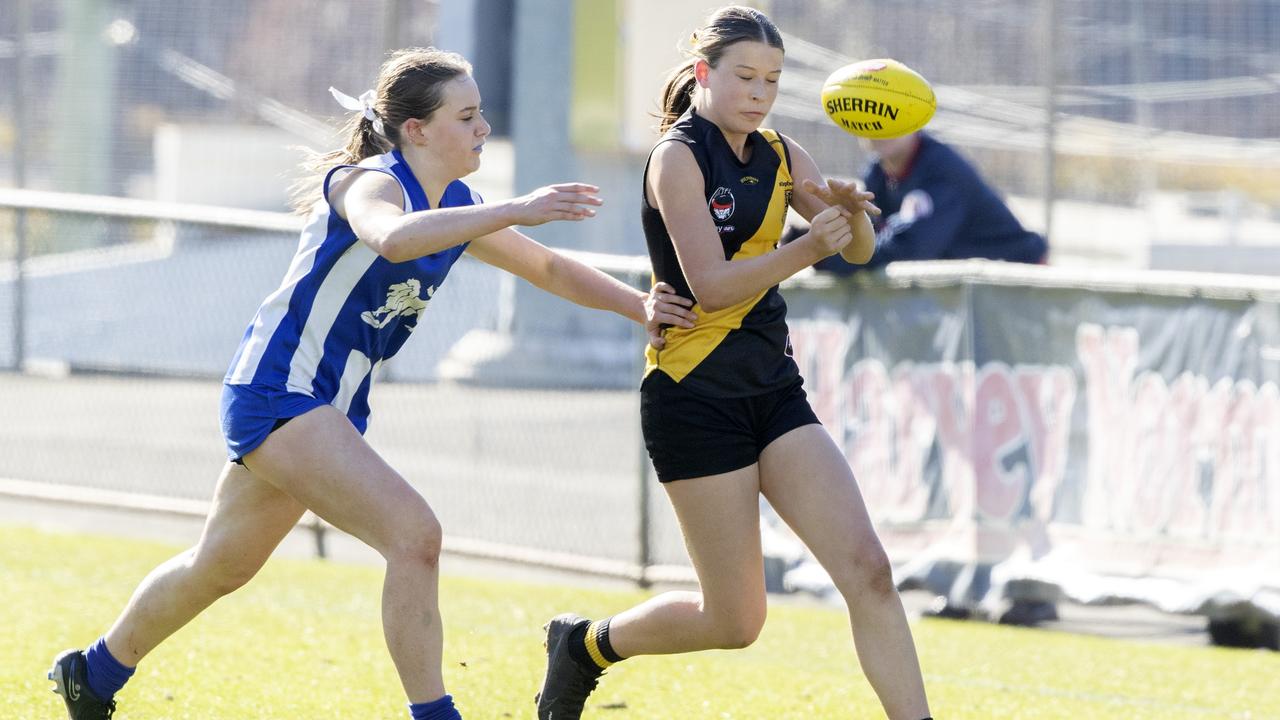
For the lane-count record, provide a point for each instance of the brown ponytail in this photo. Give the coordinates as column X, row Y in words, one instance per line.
column 677, row 95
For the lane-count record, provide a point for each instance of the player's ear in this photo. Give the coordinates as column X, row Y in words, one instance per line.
column 411, row 131
column 701, row 69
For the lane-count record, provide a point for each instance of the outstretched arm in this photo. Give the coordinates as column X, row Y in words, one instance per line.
column 580, row 283
column 372, row 202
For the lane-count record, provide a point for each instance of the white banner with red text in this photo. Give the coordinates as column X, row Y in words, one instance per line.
column 1041, row 433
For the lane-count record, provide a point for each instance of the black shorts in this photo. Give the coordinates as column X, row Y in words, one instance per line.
column 689, row 435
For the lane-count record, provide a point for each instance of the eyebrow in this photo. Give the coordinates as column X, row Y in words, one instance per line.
column 469, row 108
column 753, row 69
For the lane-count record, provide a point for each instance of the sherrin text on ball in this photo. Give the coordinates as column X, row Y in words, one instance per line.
column 878, row 99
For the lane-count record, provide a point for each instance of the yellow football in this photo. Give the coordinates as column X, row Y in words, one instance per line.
column 878, row 99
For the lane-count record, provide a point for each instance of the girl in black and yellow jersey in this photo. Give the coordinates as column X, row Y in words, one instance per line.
column 723, row 412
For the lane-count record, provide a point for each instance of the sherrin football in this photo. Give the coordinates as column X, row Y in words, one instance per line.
column 878, row 99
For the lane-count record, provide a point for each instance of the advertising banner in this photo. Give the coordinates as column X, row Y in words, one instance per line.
column 1024, row 434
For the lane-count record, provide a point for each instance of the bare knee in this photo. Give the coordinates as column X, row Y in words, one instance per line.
column 417, row 540
column 865, row 573
column 739, row 630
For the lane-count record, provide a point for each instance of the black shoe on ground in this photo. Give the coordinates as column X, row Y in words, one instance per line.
column 71, row 682
column 567, row 683
column 1029, row 613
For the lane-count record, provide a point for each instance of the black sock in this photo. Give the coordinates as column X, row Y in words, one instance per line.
column 589, row 645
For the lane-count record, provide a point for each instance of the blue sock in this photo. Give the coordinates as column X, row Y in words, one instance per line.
column 441, row 709
column 105, row 673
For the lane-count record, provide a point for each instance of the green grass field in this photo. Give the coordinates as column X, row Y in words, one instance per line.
column 304, row 640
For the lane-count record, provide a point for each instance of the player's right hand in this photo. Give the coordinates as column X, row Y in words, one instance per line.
column 665, row 308
column 829, row 231
column 563, row 201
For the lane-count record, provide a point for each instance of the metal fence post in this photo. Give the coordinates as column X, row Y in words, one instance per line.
column 644, row 552
column 644, row 557
column 319, row 532
column 1050, row 112
column 23, row 25
column 393, row 33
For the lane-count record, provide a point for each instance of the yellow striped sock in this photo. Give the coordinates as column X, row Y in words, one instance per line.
column 593, row 645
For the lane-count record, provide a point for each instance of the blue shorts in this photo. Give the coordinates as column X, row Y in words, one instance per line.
column 251, row 412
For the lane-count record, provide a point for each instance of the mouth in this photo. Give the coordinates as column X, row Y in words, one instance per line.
column 754, row 115
column 478, row 149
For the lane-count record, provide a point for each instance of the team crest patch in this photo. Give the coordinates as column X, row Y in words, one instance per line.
column 721, row 204
column 403, row 299
column 749, row 180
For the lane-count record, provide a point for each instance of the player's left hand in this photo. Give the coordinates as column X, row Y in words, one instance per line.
column 664, row 307
column 843, row 194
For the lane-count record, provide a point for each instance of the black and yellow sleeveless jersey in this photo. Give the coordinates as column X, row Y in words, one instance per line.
column 744, row 349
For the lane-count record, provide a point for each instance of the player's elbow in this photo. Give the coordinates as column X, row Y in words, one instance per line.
column 711, row 306
column 391, row 247
column 709, row 295
column 394, row 254
column 384, row 238
column 859, row 254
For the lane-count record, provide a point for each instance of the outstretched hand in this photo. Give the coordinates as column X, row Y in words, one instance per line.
column 563, row 201
column 842, row 194
column 664, row 307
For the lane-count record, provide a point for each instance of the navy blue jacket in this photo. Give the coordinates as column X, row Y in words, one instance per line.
column 941, row 210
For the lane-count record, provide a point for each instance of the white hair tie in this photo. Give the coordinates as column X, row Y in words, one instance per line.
column 362, row 104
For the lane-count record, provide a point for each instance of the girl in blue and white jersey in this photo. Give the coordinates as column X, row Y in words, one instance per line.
column 389, row 217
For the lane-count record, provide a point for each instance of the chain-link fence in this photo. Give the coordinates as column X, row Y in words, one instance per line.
column 1148, row 124
column 101, row 77
column 143, row 303
column 137, row 325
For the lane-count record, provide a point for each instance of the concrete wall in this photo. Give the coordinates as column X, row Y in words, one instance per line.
column 248, row 166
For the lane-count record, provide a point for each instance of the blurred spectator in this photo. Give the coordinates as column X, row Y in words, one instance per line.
column 935, row 207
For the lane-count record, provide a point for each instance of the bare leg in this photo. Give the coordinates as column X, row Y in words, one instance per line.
column 321, row 460
column 809, row 483
column 720, row 518
column 248, row 520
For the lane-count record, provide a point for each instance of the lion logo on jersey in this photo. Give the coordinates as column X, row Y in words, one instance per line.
column 402, row 299
column 721, row 204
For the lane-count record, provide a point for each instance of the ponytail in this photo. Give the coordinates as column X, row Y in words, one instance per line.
column 677, row 96
column 362, row 142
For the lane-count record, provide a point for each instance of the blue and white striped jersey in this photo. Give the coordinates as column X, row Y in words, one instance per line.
column 342, row 309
